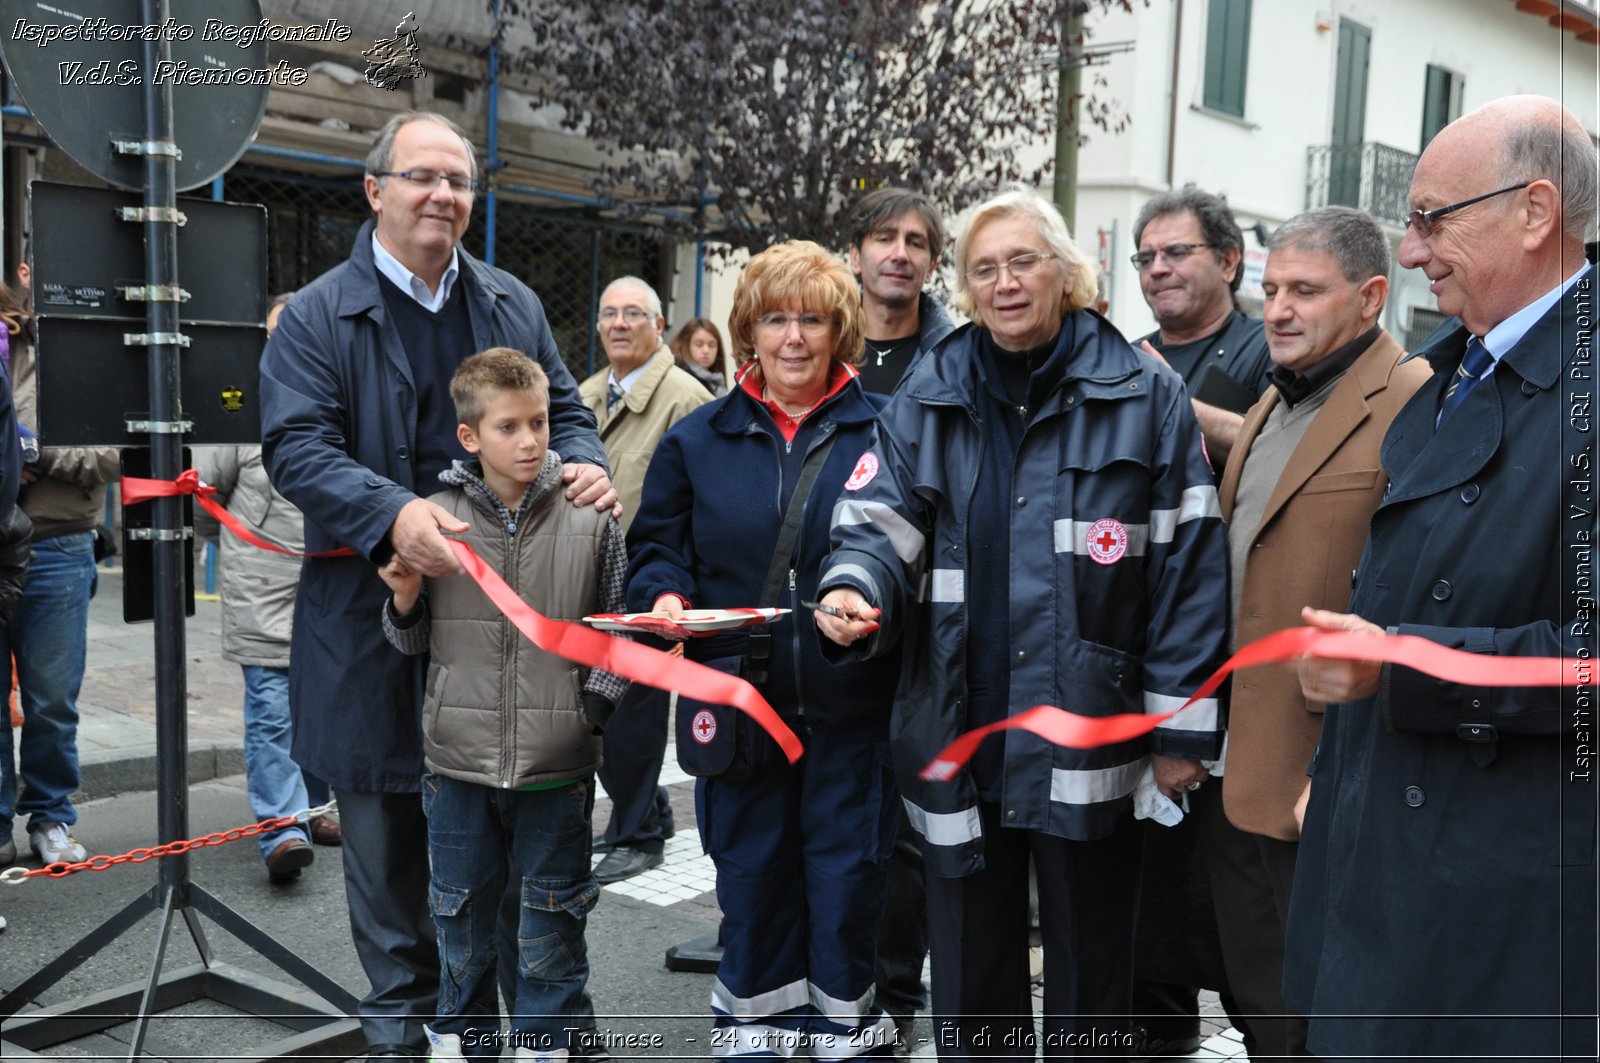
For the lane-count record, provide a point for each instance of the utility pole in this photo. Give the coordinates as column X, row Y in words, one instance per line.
column 1069, row 81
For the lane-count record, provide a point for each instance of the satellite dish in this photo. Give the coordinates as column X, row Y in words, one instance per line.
column 87, row 92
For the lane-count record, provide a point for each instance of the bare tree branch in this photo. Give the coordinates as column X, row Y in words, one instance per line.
column 778, row 114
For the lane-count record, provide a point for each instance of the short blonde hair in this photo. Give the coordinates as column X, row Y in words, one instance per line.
column 806, row 273
column 497, row 369
column 1078, row 273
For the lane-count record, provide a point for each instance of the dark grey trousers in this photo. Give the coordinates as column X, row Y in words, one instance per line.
column 386, row 886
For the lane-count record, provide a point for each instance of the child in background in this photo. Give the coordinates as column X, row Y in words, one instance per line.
column 510, row 732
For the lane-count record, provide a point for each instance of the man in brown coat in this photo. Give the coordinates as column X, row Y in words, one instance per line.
column 1298, row 491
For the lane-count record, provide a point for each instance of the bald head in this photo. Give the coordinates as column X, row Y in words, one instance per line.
column 1529, row 168
column 1535, row 138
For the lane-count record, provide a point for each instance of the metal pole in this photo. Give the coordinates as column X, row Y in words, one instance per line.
column 493, row 162
column 166, row 454
column 594, row 290
column 700, row 254
column 1068, row 83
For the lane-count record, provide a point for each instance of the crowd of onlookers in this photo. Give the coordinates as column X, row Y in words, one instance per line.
column 960, row 522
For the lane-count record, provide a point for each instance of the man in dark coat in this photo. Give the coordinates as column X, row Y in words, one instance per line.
column 357, row 423
column 1444, row 898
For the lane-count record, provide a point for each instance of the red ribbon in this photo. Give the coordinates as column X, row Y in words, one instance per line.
column 1076, row 731
column 636, row 663
column 574, row 642
column 136, row 489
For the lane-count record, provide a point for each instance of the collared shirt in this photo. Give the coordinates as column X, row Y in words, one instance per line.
column 412, row 284
column 627, row 382
column 1509, row 332
column 1295, row 387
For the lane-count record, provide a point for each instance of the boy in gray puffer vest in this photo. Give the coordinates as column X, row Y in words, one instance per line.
column 510, row 732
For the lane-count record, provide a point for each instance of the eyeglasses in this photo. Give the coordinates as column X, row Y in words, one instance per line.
column 810, row 324
column 429, row 179
column 1423, row 220
column 1173, row 253
column 986, row 274
column 631, row 314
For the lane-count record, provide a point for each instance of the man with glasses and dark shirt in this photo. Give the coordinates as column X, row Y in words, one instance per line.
column 1190, row 261
column 357, row 423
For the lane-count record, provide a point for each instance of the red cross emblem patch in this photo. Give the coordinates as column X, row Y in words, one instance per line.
column 865, row 470
column 703, row 726
column 1107, row 540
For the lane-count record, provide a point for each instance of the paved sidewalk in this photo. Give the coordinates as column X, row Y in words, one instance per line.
column 117, row 745
column 117, row 708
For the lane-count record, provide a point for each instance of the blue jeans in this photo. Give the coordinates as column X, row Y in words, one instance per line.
column 48, row 637
column 276, row 786
column 477, row 837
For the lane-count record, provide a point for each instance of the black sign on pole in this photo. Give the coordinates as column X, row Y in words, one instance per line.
column 121, row 105
column 89, row 295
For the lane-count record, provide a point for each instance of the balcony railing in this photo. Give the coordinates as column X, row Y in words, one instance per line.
column 1374, row 177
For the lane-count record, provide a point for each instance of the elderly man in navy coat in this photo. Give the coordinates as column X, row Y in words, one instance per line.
column 1444, row 898
column 357, row 423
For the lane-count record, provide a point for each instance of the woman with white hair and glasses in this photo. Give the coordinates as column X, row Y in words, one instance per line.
column 1034, row 523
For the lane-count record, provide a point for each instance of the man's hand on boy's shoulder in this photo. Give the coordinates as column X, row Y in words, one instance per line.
column 591, row 485
column 417, row 539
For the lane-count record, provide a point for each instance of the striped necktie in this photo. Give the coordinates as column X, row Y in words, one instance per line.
column 1474, row 363
column 613, row 396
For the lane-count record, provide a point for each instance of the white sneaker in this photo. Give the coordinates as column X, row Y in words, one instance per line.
column 53, row 844
column 557, row 1056
column 444, row 1047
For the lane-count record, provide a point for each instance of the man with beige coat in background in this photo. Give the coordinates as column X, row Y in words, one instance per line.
column 636, row 398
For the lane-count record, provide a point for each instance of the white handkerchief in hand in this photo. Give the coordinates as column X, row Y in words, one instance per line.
column 1150, row 803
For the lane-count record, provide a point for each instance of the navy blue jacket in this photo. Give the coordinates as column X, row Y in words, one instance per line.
column 1445, row 889
column 708, row 524
column 933, row 325
column 1118, row 600
column 338, row 424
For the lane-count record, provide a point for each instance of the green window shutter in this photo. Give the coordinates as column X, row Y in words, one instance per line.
column 1227, row 55
column 1441, row 102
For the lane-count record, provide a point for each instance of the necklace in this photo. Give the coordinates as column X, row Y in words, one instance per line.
column 767, row 396
column 890, row 348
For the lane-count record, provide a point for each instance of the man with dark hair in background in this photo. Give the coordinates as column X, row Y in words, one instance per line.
column 1190, row 261
column 896, row 236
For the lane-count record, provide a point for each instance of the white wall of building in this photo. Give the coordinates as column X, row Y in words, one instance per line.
column 1260, row 162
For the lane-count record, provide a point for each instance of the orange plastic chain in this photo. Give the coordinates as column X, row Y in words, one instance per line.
column 15, row 876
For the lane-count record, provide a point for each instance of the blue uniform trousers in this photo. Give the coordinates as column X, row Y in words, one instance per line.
column 801, row 852
column 978, row 929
